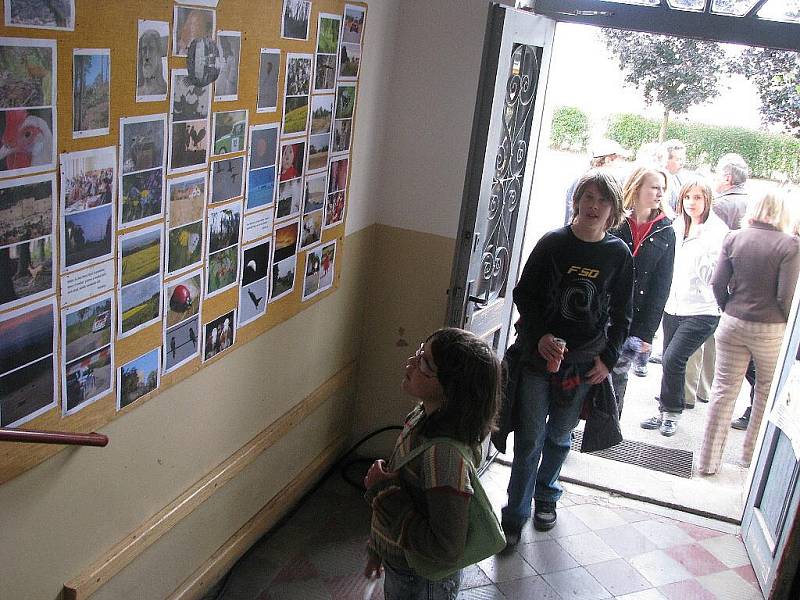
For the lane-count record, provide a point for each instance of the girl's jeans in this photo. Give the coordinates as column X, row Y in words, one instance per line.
column 405, row 584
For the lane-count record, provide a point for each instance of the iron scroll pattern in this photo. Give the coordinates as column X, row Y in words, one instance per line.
column 509, row 173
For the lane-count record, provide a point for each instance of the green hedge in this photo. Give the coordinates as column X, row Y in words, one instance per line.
column 765, row 153
column 570, row 129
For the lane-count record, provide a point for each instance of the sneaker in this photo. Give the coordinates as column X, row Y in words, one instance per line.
column 651, row 423
column 640, row 371
column 668, row 427
column 544, row 515
column 512, row 533
column 741, row 423
column 655, row 359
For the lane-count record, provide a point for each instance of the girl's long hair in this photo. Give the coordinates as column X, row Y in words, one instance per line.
column 634, row 183
column 471, row 377
column 702, row 184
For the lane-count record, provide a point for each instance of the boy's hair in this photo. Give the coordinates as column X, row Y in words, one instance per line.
column 634, row 183
column 471, row 377
column 770, row 208
column 708, row 196
column 608, row 187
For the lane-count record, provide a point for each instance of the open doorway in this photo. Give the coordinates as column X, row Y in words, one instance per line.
column 587, row 107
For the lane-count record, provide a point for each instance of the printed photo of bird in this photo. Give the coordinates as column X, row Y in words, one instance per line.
column 27, row 140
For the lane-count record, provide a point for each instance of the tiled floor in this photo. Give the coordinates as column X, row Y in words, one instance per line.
column 601, row 547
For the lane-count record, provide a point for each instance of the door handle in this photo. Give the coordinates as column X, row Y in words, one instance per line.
column 479, row 301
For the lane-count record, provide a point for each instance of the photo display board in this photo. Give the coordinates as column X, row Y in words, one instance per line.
column 170, row 188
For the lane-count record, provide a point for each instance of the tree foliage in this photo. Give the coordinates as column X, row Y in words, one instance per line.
column 676, row 73
column 776, row 75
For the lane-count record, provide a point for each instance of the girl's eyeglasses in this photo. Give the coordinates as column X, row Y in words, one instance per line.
column 422, row 363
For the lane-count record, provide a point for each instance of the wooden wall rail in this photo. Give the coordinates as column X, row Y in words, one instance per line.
column 134, row 544
column 66, row 438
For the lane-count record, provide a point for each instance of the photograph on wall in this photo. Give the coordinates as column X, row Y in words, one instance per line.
column 91, row 92
column 27, row 221
column 219, row 335
column 224, row 226
column 27, row 105
column 186, row 199
column 327, row 266
column 328, row 27
column 353, row 24
column 181, row 343
column 311, row 273
column 290, row 199
column 139, row 306
column 222, row 271
column 142, row 141
column 188, row 146
column 141, row 197
column 87, row 327
column 349, row 61
column 311, row 229
column 226, row 87
column 296, row 15
column 254, row 290
column 87, row 206
column 318, row 152
column 86, row 337
column 296, row 94
column 334, row 209
column 188, row 102
column 321, row 113
column 138, row 378
column 184, row 247
column 345, row 100
column 263, row 146
column 268, row 70
column 342, row 130
column 260, row 188
column 189, row 24
column 182, row 298
column 284, row 259
column 292, row 155
column 325, row 72
column 139, row 254
column 227, row 179
column 40, row 14
column 151, row 63
column 27, row 362
column 230, row 131
column 87, row 379
column 337, row 175
column 314, row 195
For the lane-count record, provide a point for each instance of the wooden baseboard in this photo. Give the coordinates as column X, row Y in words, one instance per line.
column 204, row 578
column 128, row 549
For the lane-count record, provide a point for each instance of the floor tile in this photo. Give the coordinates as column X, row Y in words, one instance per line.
column 546, row 557
column 338, row 558
column 576, row 584
column 696, row 559
column 297, row 569
column 488, row 592
column 507, row 567
column 311, row 589
column 630, row 515
column 597, row 517
column 685, row 590
column 351, row 587
column 663, row 534
column 651, row 594
column 587, row 548
column 527, row 589
column 618, row 577
column 699, row 533
column 567, row 524
column 473, row 576
column 626, row 541
column 727, row 585
column 659, row 568
column 729, row 549
column 746, row 572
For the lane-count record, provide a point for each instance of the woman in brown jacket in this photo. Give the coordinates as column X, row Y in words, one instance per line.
column 753, row 283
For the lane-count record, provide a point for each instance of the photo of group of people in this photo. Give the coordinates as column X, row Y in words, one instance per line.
column 224, row 230
column 87, row 205
column 27, row 362
column 86, row 337
column 142, row 141
column 319, row 270
column 27, row 213
column 139, row 277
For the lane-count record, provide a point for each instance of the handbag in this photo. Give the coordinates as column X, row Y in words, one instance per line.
column 484, row 534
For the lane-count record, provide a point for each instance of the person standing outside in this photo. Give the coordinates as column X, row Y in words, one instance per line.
column 732, row 199
column 574, row 300
column 606, row 154
column 649, row 235
column 676, row 159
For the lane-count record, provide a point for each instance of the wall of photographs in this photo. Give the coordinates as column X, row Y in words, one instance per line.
column 170, row 188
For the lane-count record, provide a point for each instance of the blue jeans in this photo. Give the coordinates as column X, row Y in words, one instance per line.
column 406, row 584
column 630, row 354
column 542, row 430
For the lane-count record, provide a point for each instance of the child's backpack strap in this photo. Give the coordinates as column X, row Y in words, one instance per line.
column 464, row 450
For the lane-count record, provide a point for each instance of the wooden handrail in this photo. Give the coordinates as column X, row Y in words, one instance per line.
column 33, row 436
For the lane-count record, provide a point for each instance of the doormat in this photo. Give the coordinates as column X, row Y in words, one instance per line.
column 666, row 460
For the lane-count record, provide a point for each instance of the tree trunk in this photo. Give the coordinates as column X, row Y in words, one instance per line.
column 662, row 133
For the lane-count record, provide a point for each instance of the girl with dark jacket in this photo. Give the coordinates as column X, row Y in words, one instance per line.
column 649, row 234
